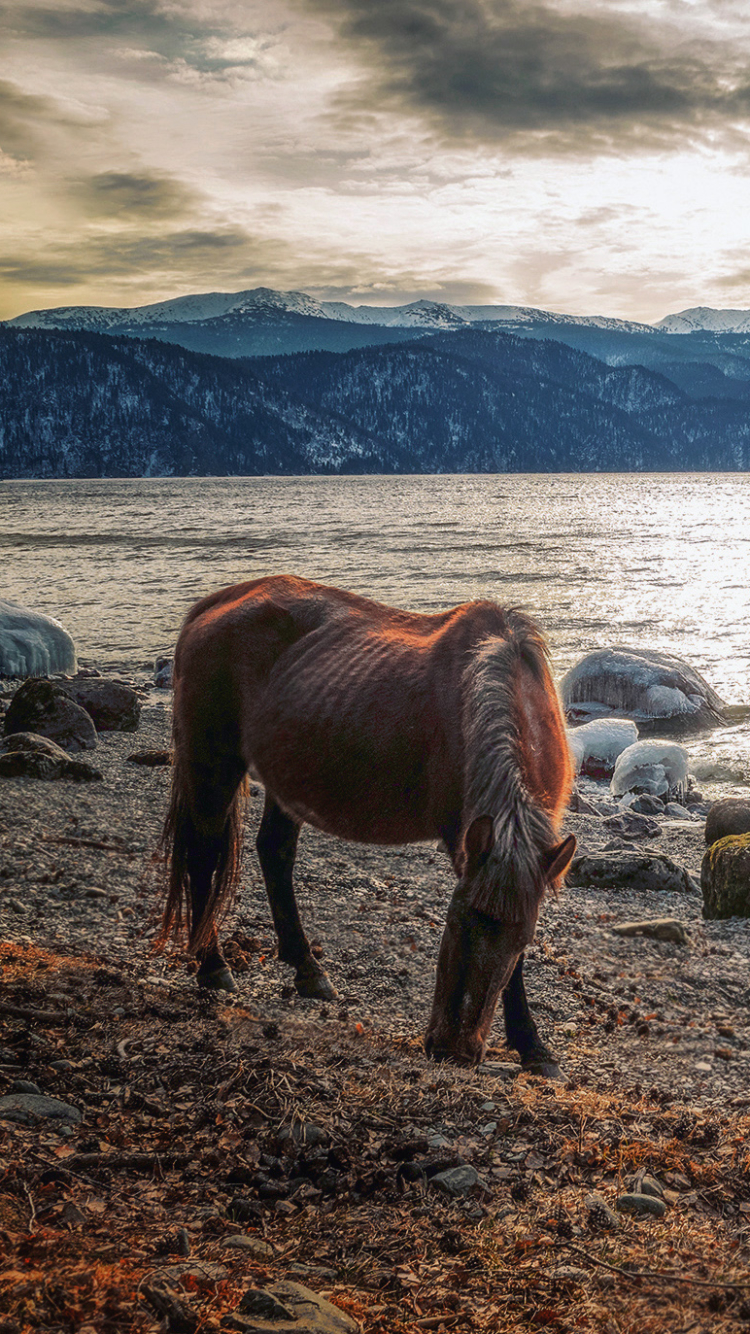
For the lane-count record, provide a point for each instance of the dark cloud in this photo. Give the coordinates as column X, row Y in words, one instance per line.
column 495, row 69
column 189, row 253
column 19, row 112
column 132, row 195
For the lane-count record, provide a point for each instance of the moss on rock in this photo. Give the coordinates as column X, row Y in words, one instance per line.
column 725, row 878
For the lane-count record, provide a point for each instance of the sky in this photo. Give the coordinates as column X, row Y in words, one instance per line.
column 588, row 158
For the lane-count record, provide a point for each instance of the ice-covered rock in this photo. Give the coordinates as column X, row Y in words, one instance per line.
column 655, row 689
column 596, row 746
column 657, row 767
column 32, row 644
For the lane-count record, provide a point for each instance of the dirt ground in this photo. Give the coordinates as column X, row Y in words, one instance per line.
column 184, row 1099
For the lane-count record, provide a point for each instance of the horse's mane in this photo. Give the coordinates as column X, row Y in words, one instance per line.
column 511, row 882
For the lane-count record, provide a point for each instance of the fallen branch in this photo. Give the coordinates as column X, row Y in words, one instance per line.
column 659, row 1275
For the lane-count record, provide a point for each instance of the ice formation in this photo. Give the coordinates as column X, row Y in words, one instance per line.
column 596, row 746
column 32, row 644
column 657, row 767
column 644, row 684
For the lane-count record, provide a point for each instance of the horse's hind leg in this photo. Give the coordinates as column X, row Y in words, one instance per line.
column 521, row 1031
column 277, row 848
column 212, row 845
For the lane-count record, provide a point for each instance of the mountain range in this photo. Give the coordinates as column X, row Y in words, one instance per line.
column 277, row 382
column 76, row 403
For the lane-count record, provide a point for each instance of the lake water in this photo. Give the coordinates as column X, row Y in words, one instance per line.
column 657, row 561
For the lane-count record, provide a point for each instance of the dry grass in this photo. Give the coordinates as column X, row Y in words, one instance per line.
column 183, row 1102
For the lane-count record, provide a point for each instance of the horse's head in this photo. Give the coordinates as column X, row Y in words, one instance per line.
column 491, row 919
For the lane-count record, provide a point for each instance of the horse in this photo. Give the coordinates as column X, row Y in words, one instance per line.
column 378, row 726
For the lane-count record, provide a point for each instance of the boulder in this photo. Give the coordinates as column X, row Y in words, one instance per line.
column 45, row 708
column 731, row 815
column 25, row 755
column 660, row 692
column 725, row 878
column 32, row 644
column 647, row 871
column 596, row 746
column 659, row 768
column 112, row 705
column 632, row 825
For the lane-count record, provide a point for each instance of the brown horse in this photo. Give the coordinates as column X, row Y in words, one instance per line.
column 380, row 726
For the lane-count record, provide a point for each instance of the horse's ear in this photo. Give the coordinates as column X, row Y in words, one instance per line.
column 478, row 841
column 556, row 861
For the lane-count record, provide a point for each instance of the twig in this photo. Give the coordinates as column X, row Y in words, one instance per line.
column 69, row 841
column 662, row 1276
column 28, row 1012
column 125, row 1162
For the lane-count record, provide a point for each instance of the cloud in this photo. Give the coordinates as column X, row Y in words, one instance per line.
column 20, row 113
column 501, row 70
column 120, row 194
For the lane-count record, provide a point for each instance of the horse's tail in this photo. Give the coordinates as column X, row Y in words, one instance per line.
column 202, row 853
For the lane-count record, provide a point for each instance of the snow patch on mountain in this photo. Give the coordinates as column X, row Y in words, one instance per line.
column 699, row 319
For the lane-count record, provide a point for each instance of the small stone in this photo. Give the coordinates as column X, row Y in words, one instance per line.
column 458, row 1181
column 94, row 892
column 641, row 1204
column 62, row 1065
column 301, row 1133
column 675, row 811
column 24, row 1086
column 658, row 928
column 305, row 1312
column 29, row 1108
column 252, row 1246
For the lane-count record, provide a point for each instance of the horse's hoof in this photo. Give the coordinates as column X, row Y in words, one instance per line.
column 219, row 979
column 314, row 983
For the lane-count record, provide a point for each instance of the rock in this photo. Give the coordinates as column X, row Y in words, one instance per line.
column 44, row 707
column 657, row 690
column 252, row 1246
column 581, row 804
column 661, row 928
column 731, row 815
column 596, row 746
column 30, row 1108
column 456, row 1182
column 657, row 767
column 301, row 1133
column 32, row 644
column 646, row 804
column 725, row 878
column 111, row 705
column 641, row 1204
column 163, row 671
column 674, row 811
column 650, row 872
column 632, row 825
column 26, row 755
column 288, row 1308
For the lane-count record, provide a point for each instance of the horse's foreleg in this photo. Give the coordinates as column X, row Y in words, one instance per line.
column 277, row 848
column 522, row 1032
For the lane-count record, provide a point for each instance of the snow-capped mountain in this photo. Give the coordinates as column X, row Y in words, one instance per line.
column 706, row 319
column 264, row 302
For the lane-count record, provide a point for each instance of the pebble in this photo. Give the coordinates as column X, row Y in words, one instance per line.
column 28, row 1108
column 459, row 1181
column 252, row 1246
column 302, row 1309
column 658, row 928
column 641, row 1204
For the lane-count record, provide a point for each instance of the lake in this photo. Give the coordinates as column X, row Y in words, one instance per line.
column 656, row 561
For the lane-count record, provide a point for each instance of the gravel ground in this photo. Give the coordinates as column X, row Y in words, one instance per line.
column 666, row 1019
